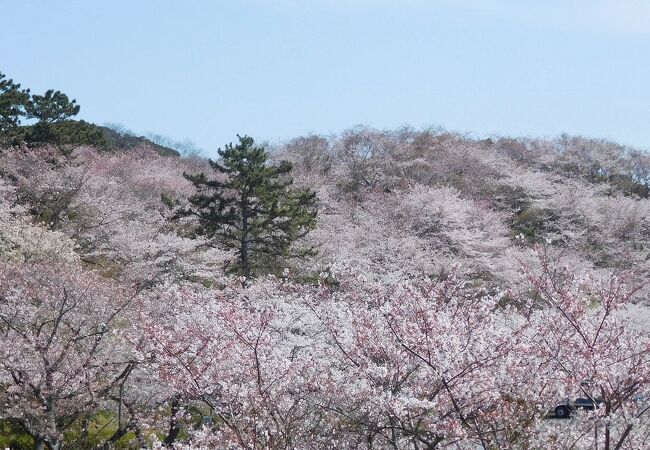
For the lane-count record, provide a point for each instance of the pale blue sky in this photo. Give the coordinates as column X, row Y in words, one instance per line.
column 206, row 70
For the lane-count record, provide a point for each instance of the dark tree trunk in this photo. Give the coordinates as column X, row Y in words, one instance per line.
column 174, row 426
column 243, row 250
column 39, row 443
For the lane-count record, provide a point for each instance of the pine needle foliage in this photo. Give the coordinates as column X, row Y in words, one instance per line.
column 251, row 207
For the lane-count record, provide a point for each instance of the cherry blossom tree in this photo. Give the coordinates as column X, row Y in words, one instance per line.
column 581, row 338
column 61, row 348
column 243, row 361
column 413, row 328
column 111, row 206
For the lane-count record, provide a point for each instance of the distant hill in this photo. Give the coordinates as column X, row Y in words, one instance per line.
column 118, row 140
column 79, row 132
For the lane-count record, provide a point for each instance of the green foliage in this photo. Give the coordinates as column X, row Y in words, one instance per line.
column 13, row 436
column 65, row 133
column 629, row 186
column 13, row 100
column 250, row 207
column 532, row 223
column 53, row 111
column 53, row 106
column 168, row 201
column 100, row 428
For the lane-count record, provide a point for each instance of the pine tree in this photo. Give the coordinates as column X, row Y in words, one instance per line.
column 53, row 106
column 13, row 101
column 250, row 207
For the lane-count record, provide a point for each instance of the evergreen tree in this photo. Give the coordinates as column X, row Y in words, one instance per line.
column 251, row 207
column 52, row 107
column 13, row 100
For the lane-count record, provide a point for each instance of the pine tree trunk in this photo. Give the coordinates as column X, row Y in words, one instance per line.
column 243, row 249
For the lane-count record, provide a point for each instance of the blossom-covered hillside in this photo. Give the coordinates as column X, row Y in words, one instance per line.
column 408, row 203
column 461, row 289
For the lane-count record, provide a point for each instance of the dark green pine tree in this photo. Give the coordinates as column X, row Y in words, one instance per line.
column 251, row 207
column 53, row 106
column 13, row 101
